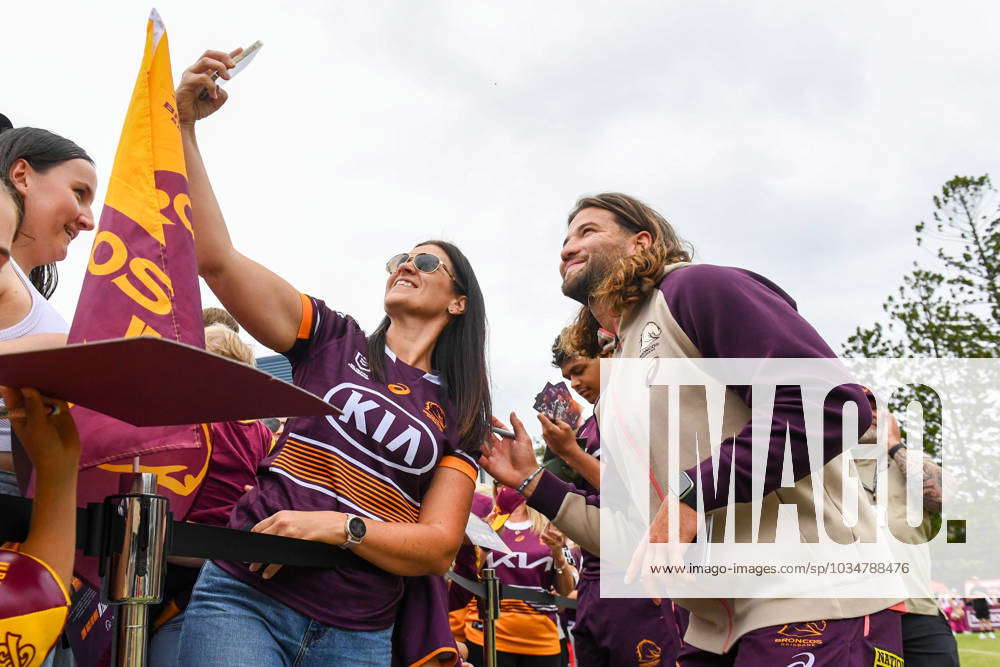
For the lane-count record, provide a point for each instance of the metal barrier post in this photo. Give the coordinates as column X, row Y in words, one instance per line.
column 491, row 609
column 135, row 574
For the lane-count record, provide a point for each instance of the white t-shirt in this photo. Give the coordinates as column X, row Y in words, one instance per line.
column 41, row 319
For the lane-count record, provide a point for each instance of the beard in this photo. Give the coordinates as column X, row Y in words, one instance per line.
column 582, row 285
column 869, row 437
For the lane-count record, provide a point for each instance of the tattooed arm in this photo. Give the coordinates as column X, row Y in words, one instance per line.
column 931, row 471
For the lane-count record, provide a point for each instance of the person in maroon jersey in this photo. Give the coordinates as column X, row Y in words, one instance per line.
column 390, row 478
column 527, row 633
column 466, row 564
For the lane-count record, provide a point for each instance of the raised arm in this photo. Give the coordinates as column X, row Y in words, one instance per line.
column 565, row 573
column 267, row 306
column 931, row 472
column 511, row 461
column 561, row 439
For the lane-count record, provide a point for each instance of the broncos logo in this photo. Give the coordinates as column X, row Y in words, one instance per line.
column 811, row 629
column 648, row 653
column 435, row 413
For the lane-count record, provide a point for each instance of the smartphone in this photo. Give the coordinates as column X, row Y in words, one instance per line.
column 241, row 61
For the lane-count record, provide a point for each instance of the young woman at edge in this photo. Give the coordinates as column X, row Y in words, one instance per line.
column 438, row 324
column 37, row 572
column 53, row 181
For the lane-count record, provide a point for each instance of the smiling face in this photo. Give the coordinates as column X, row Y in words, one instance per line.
column 413, row 292
column 57, row 207
column 594, row 243
column 584, row 376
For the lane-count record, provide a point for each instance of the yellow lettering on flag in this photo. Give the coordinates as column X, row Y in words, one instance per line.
column 142, row 280
column 185, row 487
column 137, row 327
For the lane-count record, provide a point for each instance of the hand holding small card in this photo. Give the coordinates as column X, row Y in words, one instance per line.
column 556, row 403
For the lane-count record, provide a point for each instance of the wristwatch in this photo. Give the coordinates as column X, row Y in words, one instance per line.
column 685, row 491
column 355, row 530
column 895, row 448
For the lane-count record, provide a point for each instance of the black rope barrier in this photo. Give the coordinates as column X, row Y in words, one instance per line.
column 508, row 592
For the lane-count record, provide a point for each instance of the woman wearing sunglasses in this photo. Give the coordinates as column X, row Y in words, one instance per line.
column 391, row 478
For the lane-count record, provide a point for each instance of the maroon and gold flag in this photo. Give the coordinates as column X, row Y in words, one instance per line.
column 142, row 279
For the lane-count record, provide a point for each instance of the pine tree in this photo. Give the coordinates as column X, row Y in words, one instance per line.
column 947, row 307
column 952, row 308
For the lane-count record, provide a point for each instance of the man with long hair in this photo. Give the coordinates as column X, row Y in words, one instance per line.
column 633, row 276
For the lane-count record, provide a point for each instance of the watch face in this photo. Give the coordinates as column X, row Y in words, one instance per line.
column 685, row 485
column 356, row 527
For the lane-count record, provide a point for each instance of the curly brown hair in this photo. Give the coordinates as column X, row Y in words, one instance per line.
column 634, row 276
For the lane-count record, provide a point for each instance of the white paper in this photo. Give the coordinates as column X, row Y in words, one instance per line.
column 480, row 534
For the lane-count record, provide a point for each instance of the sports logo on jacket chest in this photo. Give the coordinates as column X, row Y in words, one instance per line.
column 649, row 340
column 381, row 428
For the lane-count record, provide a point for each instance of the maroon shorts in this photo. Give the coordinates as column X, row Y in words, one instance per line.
column 873, row 641
column 622, row 632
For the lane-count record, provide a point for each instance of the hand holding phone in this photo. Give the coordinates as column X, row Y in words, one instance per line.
column 241, row 61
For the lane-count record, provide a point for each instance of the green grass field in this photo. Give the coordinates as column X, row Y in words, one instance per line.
column 976, row 652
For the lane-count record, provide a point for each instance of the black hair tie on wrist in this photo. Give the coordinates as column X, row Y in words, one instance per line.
column 895, row 448
column 5, row 123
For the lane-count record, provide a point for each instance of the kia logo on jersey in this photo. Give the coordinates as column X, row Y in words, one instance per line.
column 403, row 441
column 517, row 560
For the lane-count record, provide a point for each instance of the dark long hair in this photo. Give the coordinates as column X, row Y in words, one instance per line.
column 459, row 356
column 42, row 150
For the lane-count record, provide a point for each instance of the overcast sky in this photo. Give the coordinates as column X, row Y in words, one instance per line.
column 799, row 140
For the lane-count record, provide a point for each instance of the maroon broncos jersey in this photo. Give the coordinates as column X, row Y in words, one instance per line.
column 375, row 460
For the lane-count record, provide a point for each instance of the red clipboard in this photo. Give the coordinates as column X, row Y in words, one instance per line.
column 149, row 381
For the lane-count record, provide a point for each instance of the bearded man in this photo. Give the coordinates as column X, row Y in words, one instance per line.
column 634, row 278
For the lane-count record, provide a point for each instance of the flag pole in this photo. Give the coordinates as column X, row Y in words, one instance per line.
column 491, row 609
column 134, row 578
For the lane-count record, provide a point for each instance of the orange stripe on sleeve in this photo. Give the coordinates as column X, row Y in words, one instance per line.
column 437, row 654
column 460, row 465
column 305, row 324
